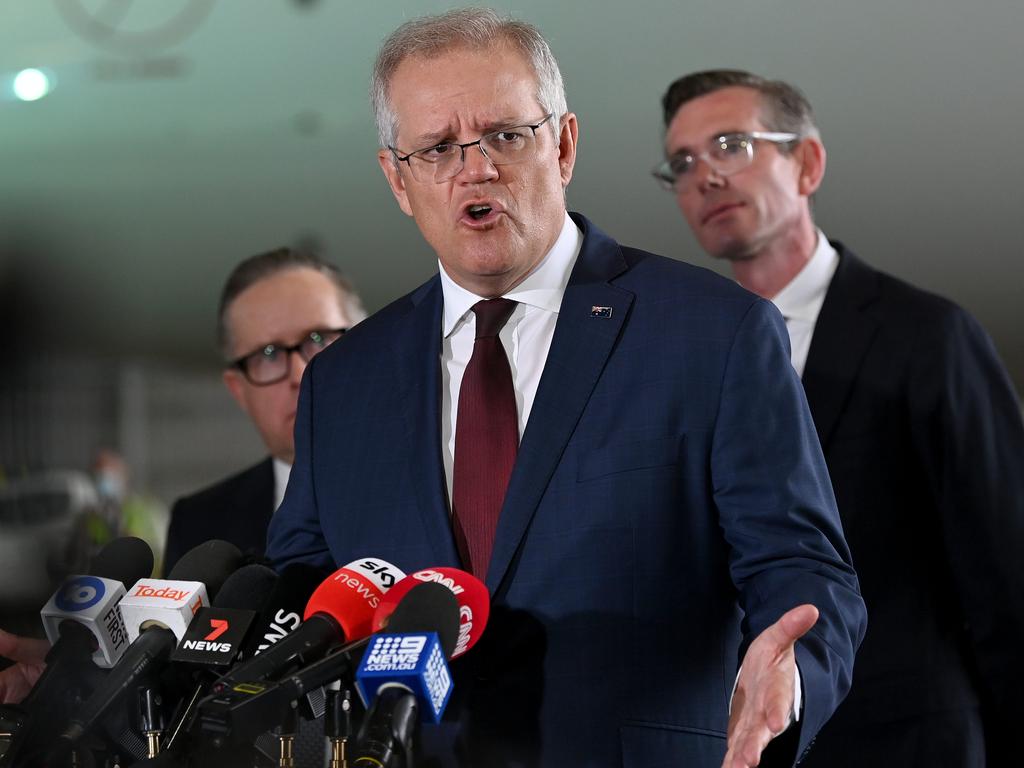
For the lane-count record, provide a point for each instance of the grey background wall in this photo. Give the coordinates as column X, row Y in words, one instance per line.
column 182, row 135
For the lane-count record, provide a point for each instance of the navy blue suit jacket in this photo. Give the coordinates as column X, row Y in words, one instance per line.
column 669, row 501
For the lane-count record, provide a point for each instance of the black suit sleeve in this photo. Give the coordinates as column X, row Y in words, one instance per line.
column 177, row 537
column 968, row 431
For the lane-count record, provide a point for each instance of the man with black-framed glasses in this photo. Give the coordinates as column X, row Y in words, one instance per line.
column 919, row 423
column 277, row 310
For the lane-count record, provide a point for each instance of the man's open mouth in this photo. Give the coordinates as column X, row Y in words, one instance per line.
column 477, row 212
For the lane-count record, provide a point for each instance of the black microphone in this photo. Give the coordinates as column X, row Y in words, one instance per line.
column 156, row 613
column 340, row 609
column 404, row 671
column 213, row 641
column 282, row 611
column 250, row 707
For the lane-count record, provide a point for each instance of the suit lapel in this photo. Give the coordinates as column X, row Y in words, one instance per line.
column 842, row 335
column 418, row 365
column 579, row 351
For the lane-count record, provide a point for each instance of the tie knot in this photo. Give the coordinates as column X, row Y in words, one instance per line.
column 491, row 316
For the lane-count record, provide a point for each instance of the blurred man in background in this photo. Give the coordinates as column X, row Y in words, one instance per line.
column 918, row 420
column 277, row 310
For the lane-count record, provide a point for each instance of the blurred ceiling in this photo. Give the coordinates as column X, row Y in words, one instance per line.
column 182, row 135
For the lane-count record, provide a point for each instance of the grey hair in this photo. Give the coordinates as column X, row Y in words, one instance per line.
column 472, row 28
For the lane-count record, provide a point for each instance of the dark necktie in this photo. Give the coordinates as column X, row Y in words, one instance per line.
column 486, row 439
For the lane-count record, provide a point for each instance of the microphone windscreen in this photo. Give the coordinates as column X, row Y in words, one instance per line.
column 126, row 560
column 210, row 563
column 428, row 607
column 352, row 594
column 248, row 588
column 281, row 611
column 472, row 595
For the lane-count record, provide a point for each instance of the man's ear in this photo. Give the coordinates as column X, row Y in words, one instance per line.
column 236, row 386
column 568, row 137
column 811, row 154
column 395, row 180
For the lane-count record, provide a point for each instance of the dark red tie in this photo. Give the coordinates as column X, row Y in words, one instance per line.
column 486, row 439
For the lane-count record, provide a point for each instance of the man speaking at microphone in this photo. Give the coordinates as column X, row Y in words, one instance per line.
column 628, row 455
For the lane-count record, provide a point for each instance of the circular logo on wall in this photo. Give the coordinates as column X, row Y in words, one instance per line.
column 134, row 26
column 82, row 593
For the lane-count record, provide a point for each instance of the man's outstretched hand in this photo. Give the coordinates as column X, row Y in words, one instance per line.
column 763, row 701
column 29, row 657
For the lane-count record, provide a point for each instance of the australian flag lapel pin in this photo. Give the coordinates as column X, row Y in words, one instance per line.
column 600, row 311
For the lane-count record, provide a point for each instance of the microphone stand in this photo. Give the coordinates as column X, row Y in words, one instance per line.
column 338, row 724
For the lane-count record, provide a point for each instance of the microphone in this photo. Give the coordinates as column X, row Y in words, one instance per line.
column 215, row 637
column 172, row 603
column 88, row 603
column 282, row 611
column 86, row 630
column 251, row 707
column 406, row 676
column 340, row 609
column 157, row 613
column 213, row 641
column 473, row 598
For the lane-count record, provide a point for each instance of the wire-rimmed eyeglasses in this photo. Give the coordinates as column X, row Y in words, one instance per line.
column 725, row 155
column 441, row 162
column 272, row 362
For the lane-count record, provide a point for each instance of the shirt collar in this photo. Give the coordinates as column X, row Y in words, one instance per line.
column 803, row 296
column 543, row 288
column 281, row 472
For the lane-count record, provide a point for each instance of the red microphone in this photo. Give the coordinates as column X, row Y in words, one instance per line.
column 351, row 594
column 339, row 611
column 471, row 593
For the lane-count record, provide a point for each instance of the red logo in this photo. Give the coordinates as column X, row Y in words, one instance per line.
column 220, row 626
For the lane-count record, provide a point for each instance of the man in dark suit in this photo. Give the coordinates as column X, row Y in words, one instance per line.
column 918, row 420
column 277, row 310
column 642, row 521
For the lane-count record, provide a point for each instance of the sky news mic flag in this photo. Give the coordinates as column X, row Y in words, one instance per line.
column 340, row 610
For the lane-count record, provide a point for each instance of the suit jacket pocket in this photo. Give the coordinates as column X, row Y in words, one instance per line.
column 646, row 745
column 626, row 457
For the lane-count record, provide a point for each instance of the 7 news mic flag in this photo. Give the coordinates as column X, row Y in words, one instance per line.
column 214, row 637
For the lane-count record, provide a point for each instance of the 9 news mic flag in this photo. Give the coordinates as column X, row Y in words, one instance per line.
column 413, row 661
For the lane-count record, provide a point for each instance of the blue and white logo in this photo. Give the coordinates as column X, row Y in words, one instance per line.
column 80, row 594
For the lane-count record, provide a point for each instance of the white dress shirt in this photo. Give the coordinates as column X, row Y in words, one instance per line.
column 281, row 473
column 800, row 301
column 526, row 336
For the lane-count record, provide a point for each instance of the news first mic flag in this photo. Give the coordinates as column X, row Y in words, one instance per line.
column 415, row 661
column 93, row 603
column 214, row 637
